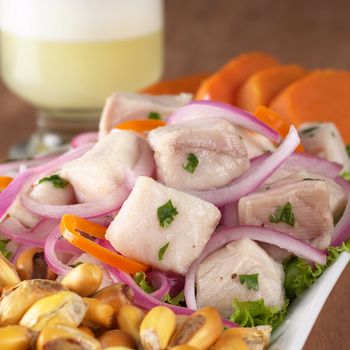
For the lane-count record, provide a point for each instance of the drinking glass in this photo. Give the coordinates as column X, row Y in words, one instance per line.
column 66, row 56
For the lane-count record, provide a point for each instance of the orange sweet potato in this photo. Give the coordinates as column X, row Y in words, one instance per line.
column 188, row 84
column 224, row 84
column 260, row 88
column 323, row 95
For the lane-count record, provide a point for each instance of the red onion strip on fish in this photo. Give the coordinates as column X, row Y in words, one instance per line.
column 342, row 228
column 225, row 235
column 260, row 170
column 83, row 139
column 210, row 109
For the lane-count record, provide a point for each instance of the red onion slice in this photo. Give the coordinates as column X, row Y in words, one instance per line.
column 210, row 109
column 84, row 138
column 225, row 235
column 25, row 179
column 147, row 301
column 260, row 170
column 86, row 210
column 160, row 281
column 342, row 228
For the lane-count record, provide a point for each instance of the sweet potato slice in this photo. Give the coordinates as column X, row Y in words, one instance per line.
column 224, row 84
column 323, row 95
column 187, row 84
column 264, row 85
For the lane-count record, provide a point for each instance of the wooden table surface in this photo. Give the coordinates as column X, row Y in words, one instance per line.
column 201, row 35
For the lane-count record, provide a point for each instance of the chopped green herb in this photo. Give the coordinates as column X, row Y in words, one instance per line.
column 140, row 279
column 178, row 300
column 346, row 175
column 348, row 149
column 76, row 264
column 251, row 281
column 6, row 253
column 256, row 313
column 166, row 214
column 56, row 181
column 283, row 214
column 154, row 115
column 311, row 179
column 309, row 130
column 162, row 251
column 192, row 163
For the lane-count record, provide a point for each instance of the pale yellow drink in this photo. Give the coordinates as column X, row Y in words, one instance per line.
column 78, row 75
column 67, row 56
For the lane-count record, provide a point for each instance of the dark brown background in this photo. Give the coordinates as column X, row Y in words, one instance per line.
column 201, row 35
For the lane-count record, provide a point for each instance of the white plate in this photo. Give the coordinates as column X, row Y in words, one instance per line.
column 293, row 332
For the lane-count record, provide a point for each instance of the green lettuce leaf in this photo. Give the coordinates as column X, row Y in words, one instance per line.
column 6, row 253
column 178, row 300
column 300, row 275
column 140, row 279
column 256, row 313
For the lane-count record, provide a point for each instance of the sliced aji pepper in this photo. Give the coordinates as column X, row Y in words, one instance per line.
column 5, row 181
column 73, row 229
column 140, row 125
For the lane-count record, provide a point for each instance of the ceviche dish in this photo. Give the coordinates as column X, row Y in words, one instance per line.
column 184, row 223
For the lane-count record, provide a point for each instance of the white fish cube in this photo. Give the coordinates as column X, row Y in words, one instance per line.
column 136, row 232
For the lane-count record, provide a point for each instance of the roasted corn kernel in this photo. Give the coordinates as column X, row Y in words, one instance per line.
column 8, row 276
column 85, row 279
column 16, row 338
column 157, row 328
column 230, row 342
column 31, row 264
column 64, row 307
column 61, row 337
column 86, row 330
column 129, row 319
column 117, row 337
column 201, row 330
column 183, row 347
column 98, row 314
column 16, row 300
column 115, row 295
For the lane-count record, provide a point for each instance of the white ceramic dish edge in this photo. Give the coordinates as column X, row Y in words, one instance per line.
column 302, row 315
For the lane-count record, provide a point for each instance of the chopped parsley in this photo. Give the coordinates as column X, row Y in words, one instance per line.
column 154, row 115
column 192, row 163
column 348, row 149
column 140, row 279
column 56, row 181
column 162, row 251
column 308, row 131
column 6, row 253
column 346, row 175
column 178, row 300
column 283, row 214
column 251, row 281
column 76, row 264
column 166, row 214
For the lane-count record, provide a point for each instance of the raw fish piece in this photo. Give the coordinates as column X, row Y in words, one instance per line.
column 101, row 170
column 324, row 140
column 122, row 106
column 218, row 283
column 136, row 232
column 215, row 142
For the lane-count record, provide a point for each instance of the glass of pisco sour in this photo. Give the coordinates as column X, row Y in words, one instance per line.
column 66, row 56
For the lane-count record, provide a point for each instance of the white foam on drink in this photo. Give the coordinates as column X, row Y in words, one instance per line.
column 81, row 20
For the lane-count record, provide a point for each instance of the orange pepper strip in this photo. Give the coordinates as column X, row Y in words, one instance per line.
column 72, row 227
column 275, row 121
column 5, row 181
column 140, row 125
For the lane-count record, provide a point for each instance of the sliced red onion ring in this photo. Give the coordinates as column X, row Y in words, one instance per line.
column 260, row 170
column 84, row 138
column 225, row 235
column 26, row 178
column 229, row 214
column 86, row 210
column 342, row 228
column 210, row 109
column 50, row 255
column 160, row 281
column 147, row 301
